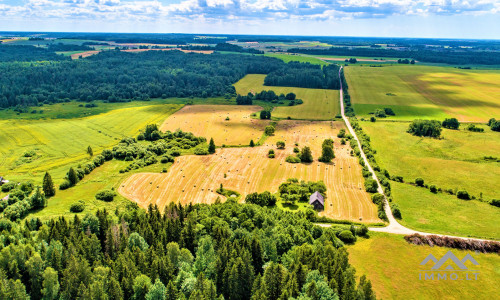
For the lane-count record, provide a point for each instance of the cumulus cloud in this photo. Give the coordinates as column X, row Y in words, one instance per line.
column 218, row 10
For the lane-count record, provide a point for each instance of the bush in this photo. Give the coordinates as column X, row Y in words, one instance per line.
column 380, row 113
column 77, row 207
column 347, row 237
column 389, row 111
column 9, row 186
column 451, row 123
column 166, row 159
column 341, row 133
column 433, row 189
column 270, row 154
column 428, row 128
column 495, row 202
column 201, row 151
column 280, row 144
column 269, row 130
column 464, row 195
column 371, row 185
column 377, row 198
column 296, row 150
column 105, row 195
column 372, row 119
column 362, row 230
column 292, row 159
column 419, row 181
column 457, row 243
column 65, row 185
column 395, row 211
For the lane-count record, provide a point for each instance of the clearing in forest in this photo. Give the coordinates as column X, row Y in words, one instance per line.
column 319, row 104
column 194, row 179
column 226, row 124
column 427, row 92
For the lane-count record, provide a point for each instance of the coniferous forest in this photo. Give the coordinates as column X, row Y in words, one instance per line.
column 221, row 251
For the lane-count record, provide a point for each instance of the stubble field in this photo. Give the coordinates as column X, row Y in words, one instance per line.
column 210, row 121
column 194, row 179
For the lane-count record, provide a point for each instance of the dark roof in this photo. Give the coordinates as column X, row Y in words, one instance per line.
column 317, row 196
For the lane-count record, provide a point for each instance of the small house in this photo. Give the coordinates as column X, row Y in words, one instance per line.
column 2, row 180
column 317, row 201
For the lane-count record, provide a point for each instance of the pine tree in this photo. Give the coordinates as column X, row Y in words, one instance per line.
column 252, row 144
column 72, row 176
column 48, row 185
column 211, row 146
column 90, row 151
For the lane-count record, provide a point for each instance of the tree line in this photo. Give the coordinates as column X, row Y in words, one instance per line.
column 220, row 251
column 116, row 76
column 305, row 75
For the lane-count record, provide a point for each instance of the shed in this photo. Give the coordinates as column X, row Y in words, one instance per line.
column 317, row 201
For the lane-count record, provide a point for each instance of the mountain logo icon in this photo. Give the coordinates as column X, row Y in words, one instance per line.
column 449, row 256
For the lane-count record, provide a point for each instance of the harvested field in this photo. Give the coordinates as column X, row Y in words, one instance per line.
column 210, row 121
column 194, row 179
column 84, row 54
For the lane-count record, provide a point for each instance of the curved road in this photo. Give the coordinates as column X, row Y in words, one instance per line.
column 394, row 226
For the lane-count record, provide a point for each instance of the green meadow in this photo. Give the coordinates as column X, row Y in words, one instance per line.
column 392, row 265
column 56, row 144
column 444, row 213
column 319, row 104
column 427, row 92
column 300, row 58
column 454, row 162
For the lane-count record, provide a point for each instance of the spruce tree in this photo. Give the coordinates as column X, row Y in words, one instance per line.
column 72, row 176
column 48, row 185
column 252, row 144
column 90, row 151
column 211, row 146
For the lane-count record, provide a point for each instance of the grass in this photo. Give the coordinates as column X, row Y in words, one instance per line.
column 444, row 213
column 456, row 161
column 60, row 143
column 393, row 266
column 415, row 91
column 300, row 58
column 319, row 104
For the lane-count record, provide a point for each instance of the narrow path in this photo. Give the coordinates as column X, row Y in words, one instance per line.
column 394, row 226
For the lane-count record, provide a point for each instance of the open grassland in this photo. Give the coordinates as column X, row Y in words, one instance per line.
column 444, row 213
column 210, row 121
column 59, row 143
column 393, row 267
column 297, row 57
column 456, row 161
column 194, row 179
column 428, row 92
column 319, row 104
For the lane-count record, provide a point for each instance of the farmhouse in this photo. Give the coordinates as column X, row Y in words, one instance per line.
column 317, row 201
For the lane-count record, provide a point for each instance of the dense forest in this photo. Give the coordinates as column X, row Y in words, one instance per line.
column 15, row 53
column 441, row 55
column 222, row 251
column 305, row 75
column 118, row 76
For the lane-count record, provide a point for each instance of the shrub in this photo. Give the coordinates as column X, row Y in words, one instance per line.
column 362, row 230
column 433, row 189
column 473, row 128
column 9, row 186
column 451, row 123
column 77, row 207
column 166, row 159
column 270, row 154
column 457, row 243
column 419, row 181
column 65, row 185
column 292, row 159
column 397, row 178
column 389, row 111
column 377, row 198
column 395, row 211
column 346, row 236
column 372, row 119
column 464, row 195
column 201, row 151
column 380, row 113
column 428, row 128
column 296, row 150
column 341, row 133
column 280, row 144
column 495, row 202
column 371, row 185
column 106, row 195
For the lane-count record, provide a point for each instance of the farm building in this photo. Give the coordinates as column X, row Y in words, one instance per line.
column 317, row 201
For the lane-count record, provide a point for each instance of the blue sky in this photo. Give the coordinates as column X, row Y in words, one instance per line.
column 398, row 18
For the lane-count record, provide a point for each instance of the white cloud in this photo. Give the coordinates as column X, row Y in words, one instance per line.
column 217, row 10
